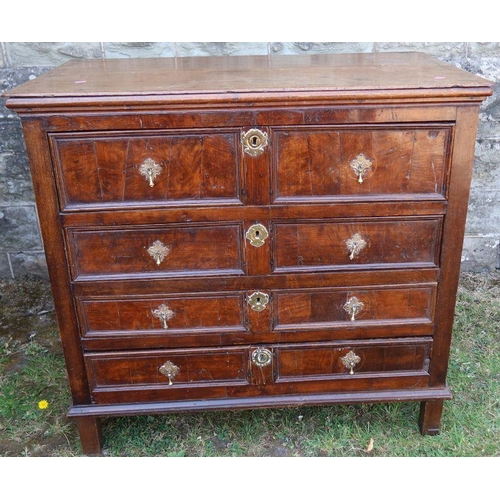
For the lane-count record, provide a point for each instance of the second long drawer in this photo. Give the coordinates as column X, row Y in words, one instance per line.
column 253, row 247
column 252, row 316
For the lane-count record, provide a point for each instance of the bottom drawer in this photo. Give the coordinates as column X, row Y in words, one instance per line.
column 191, row 374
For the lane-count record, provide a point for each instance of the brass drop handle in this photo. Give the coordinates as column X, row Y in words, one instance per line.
column 158, row 251
column 353, row 307
column 163, row 313
column 355, row 245
column 169, row 370
column 361, row 165
column 149, row 169
column 350, row 360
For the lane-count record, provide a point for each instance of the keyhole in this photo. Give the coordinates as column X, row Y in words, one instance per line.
column 255, row 141
column 257, row 233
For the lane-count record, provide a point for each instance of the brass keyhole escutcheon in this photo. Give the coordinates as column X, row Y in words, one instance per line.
column 257, row 235
column 262, row 357
column 258, row 301
column 254, row 142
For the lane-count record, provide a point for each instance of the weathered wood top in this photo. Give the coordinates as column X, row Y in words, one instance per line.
column 152, row 84
column 331, row 72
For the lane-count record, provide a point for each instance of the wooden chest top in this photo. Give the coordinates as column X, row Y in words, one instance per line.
column 254, row 77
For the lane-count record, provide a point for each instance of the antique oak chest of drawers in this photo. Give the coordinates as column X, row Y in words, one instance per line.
column 251, row 232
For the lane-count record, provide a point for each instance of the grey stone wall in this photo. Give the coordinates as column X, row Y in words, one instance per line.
column 21, row 251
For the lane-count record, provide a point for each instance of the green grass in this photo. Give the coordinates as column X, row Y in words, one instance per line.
column 32, row 369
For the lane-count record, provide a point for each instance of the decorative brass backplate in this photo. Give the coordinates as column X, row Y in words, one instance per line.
column 361, row 166
column 254, row 141
column 353, row 306
column 158, row 251
column 350, row 360
column 262, row 357
column 355, row 245
column 163, row 313
column 169, row 370
column 150, row 170
column 258, row 301
column 257, row 235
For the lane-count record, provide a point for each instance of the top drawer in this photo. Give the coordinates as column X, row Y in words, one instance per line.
column 314, row 164
column 175, row 168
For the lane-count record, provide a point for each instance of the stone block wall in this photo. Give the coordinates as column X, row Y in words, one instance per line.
column 21, row 251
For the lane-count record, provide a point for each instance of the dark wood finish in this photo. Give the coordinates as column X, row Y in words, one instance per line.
column 325, row 307
column 90, row 126
column 298, row 363
column 453, row 235
column 90, row 432
column 200, row 81
column 55, row 253
column 224, row 372
column 315, row 163
column 296, row 400
column 322, row 245
column 124, row 252
column 105, row 169
column 189, row 312
column 430, row 417
column 202, row 319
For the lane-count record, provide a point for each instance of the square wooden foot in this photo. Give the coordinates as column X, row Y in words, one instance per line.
column 89, row 429
column 430, row 417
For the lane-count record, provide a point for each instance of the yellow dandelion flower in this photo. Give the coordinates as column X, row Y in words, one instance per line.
column 43, row 404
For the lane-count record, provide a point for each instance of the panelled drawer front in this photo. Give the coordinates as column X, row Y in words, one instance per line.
column 219, row 366
column 376, row 243
column 172, row 168
column 162, row 251
column 318, row 163
column 353, row 307
column 171, row 315
column 184, row 374
column 256, row 316
column 166, row 375
column 329, row 361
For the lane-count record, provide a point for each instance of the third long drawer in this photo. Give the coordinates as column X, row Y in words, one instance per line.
column 250, row 316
